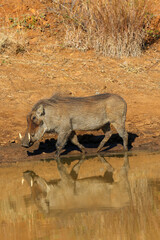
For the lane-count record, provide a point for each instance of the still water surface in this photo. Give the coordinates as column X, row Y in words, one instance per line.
column 116, row 197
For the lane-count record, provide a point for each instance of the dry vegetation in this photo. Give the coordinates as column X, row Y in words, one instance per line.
column 10, row 44
column 112, row 28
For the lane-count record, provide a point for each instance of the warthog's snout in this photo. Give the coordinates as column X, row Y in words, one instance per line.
column 25, row 145
column 26, row 141
column 29, row 177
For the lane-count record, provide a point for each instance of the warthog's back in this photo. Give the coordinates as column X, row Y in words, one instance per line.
column 85, row 113
column 56, row 99
column 85, row 100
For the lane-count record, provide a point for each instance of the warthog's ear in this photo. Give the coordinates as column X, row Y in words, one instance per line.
column 40, row 110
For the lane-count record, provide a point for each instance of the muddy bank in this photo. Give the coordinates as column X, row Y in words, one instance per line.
column 45, row 150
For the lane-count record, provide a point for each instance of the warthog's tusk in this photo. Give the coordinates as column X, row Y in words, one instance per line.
column 20, row 136
column 22, row 180
column 29, row 137
column 31, row 182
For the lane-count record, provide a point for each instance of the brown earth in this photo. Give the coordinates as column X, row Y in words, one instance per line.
column 34, row 65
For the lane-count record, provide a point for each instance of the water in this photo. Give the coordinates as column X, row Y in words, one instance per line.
column 114, row 197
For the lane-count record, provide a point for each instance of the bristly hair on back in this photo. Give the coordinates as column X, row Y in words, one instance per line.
column 44, row 102
column 59, row 98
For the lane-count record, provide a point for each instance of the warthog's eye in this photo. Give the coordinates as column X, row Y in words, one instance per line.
column 33, row 118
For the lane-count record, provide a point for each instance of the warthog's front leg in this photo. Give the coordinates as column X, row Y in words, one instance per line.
column 61, row 141
column 74, row 140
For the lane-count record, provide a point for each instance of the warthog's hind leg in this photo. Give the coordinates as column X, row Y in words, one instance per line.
column 122, row 133
column 106, row 163
column 125, row 141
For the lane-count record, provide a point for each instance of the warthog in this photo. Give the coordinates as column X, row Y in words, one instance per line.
column 111, row 190
column 65, row 115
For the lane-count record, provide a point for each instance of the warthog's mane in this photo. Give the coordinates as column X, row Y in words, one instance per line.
column 56, row 99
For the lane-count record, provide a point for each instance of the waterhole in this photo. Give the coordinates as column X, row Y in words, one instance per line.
column 103, row 197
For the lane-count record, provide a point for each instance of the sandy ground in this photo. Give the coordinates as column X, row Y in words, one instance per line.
column 45, row 68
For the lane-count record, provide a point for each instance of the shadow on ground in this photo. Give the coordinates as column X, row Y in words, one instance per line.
column 89, row 141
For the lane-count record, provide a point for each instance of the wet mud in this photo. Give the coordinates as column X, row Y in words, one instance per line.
column 46, row 149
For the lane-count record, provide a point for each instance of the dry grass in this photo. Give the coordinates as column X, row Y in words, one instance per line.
column 12, row 41
column 112, row 28
column 10, row 44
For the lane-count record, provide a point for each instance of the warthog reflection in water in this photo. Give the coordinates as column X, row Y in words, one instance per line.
column 69, row 192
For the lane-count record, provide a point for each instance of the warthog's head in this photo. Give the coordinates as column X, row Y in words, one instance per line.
column 36, row 127
column 29, row 176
